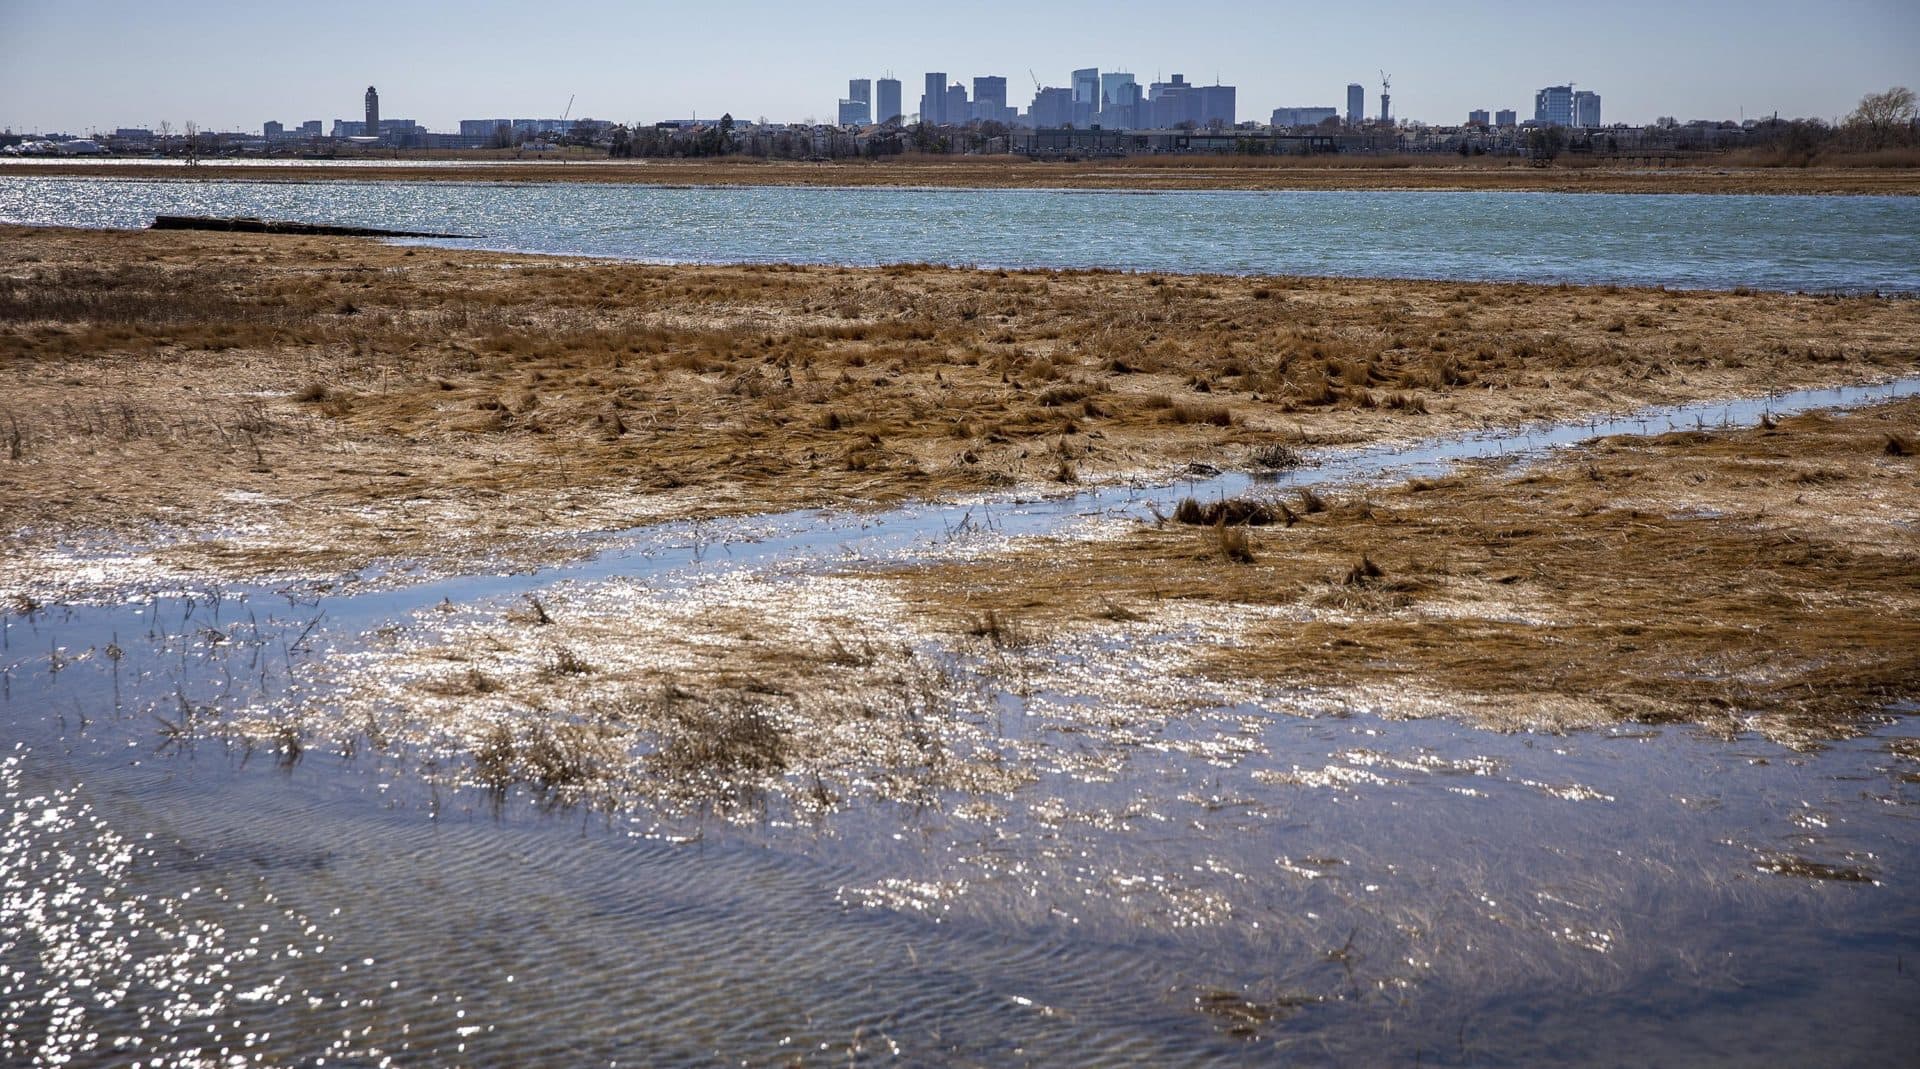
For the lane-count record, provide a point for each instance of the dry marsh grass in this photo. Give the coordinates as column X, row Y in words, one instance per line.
column 345, row 401
column 1697, row 576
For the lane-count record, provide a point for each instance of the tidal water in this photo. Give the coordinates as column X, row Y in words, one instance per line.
column 1848, row 244
column 1406, row 892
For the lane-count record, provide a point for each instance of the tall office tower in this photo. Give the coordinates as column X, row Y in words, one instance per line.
column 1052, row 108
column 1479, row 117
column 854, row 113
column 1506, row 117
column 1086, row 95
column 1553, row 106
column 990, row 98
column 1386, row 108
column 1118, row 95
column 1217, row 105
column 888, row 109
column 956, row 110
column 373, row 112
column 1171, row 103
column 859, row 91
column 1356, row 103
column 1586, row 109
column 857, row 108
column 933, row 102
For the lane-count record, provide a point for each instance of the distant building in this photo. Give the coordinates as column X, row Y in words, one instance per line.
column 1052, row 109
column 1506, row 117
column 1217, row 105
column 860, row 89
column 504, row 132
column 956, row 111
column 888, row 109
column 372, row 125
column 1356, row 103
column 990, row 99
column 1303, row 116
column 933, row 101
column 1553, row 106
column 1119, row 101
column 310, row 128
column 272, row 131
column 1586, row 109
column 855, row 113
column 1170, row 104
column 1479, row 117
column 487, row 128
column 1086, row 95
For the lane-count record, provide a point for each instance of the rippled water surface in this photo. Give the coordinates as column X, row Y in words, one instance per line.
column 1229, row 887
column 1784, row 243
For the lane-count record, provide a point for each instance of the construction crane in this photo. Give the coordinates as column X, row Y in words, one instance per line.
column 1036, row 79
column 563, row 126
column 1386, row 98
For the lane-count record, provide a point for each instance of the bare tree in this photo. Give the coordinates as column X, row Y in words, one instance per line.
column 1884, row 118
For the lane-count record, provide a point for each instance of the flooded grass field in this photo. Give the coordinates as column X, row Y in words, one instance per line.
column 416, row 656
column 706, row 796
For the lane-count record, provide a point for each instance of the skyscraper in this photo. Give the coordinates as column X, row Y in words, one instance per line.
column 1052, row 108
column 990, row 98
column 1119, row 95
column 1086, row 95
column 1170, row 104
column 1586, row 109
column 857, row 108
column 933, row 102
column 888, row 105
column 1217, row 105
column 373, row 112
column 1356, row 103
column 956, row 111
column 1553, row 106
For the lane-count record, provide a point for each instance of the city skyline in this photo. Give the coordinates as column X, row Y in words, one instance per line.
column 1716, row 61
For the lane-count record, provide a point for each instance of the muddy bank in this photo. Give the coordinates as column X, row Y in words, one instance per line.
column 1147, row 173
column 249, row 405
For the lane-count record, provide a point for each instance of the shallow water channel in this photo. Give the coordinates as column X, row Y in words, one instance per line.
column 1224, row 886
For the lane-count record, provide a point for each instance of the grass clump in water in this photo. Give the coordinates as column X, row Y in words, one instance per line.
column 1233, row 512
column 705, row 742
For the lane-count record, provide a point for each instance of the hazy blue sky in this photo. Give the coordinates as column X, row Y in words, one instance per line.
column 230, row 64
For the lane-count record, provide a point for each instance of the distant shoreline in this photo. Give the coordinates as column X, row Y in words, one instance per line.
column 1138, row 174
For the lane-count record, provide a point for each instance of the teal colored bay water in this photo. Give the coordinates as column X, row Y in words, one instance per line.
column 1848, row 244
